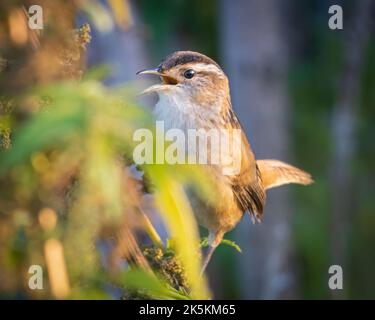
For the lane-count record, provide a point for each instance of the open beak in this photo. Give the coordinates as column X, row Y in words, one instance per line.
column 167, row 81
column 150, row 71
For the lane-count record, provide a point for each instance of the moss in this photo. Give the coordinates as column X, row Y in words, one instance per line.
column 6, row 107
column 5, row 141
column 83, row 35
column 71, row 57
column 164, row 263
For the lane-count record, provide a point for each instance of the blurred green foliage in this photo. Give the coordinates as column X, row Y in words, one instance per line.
column 188, row 24
column 84, row 130
column 65, row 179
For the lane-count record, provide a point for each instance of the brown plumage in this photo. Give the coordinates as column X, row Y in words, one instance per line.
column 276, row 173
column 194, row 94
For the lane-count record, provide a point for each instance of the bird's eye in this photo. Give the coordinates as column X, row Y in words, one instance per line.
column 188, row 74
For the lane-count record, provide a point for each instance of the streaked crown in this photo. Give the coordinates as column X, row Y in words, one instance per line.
column 184, row 57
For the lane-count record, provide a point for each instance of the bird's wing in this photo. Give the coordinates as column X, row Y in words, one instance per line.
column 247, row 184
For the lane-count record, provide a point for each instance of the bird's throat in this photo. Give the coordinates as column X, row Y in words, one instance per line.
column 178, row 111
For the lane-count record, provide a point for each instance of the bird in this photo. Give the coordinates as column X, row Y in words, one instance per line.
column 194, row 93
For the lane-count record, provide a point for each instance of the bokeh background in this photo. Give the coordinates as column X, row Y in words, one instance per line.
column 304, row 94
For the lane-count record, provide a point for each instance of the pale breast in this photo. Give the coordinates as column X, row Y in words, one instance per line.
column 178, row 113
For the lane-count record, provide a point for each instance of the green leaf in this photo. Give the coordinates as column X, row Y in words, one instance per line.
column 230, row 243
column 181, row 224
column 48, row 128
column 150, row 284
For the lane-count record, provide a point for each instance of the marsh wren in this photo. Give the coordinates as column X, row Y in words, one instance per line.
column 194, row 94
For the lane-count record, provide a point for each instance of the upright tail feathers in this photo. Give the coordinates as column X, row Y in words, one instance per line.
column 277, row 173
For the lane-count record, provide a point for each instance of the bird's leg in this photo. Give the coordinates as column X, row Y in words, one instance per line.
column 214, row 239
column 207, row 257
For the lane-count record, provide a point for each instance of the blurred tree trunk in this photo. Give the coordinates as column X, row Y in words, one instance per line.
column 345, row 114
column 123, row 50
column 254, row 51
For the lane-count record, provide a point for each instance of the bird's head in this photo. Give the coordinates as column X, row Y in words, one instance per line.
column 190, row 75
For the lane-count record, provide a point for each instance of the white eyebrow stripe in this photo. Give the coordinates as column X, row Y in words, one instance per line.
column 206, row 67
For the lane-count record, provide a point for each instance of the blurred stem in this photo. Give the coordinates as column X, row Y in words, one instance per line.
column 151, row 231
